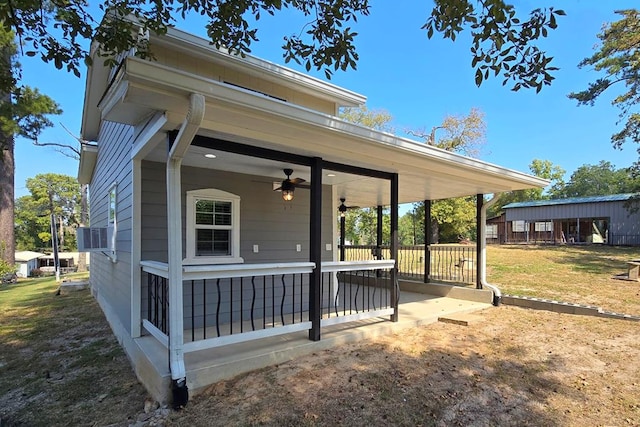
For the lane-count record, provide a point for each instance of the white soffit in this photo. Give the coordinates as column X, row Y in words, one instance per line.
column 87, row 164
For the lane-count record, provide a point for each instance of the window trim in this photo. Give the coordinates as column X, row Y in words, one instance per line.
column 216, row 195
column 112, row 220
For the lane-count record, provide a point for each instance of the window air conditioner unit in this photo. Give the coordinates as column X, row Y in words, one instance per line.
column 94, row 239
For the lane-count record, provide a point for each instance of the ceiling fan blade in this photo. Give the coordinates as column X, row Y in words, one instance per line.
column 296, row 181
column 277, row 185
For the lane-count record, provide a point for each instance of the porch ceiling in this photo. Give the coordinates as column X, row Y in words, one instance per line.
column 238, row 115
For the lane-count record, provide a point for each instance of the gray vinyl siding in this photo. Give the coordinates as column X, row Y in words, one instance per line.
column 112, row 281
column 266, row 220
column 621, row 223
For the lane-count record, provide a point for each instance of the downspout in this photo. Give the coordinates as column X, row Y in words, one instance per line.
column 497, row 295
column 188, row 130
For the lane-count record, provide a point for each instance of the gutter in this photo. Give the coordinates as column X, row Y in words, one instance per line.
column 497, row 295
column 188, row 130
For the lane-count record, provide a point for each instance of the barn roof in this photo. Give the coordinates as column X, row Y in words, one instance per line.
column 573, row 200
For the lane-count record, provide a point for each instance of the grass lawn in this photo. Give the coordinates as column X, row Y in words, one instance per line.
column 577, row 274
column 60, row 364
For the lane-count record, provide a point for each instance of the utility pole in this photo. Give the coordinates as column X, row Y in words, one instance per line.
column 54, row 240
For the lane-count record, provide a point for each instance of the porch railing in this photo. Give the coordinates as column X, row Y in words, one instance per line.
column 226, row 304
column 449, row 262
column 356, row 290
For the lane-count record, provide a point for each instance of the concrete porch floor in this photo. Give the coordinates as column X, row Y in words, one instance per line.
column 210, row 366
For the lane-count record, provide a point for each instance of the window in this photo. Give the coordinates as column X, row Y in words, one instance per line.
column 491, row 231
column 112, row 222
column 213, row 227
column 544, row 226
column 112, row 204
column 518, row 226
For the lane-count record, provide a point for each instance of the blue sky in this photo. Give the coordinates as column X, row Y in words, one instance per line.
column 418, row 81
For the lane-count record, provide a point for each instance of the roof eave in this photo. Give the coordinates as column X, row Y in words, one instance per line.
column 263, row 68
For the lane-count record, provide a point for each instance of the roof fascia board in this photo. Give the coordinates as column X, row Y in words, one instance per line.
column 259, row 67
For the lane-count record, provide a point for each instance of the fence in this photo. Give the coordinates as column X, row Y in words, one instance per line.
column 449, row 262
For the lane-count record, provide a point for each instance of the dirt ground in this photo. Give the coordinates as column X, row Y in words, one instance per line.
column 511, row 366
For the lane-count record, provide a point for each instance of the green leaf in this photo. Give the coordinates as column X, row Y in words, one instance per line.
column 478, row 77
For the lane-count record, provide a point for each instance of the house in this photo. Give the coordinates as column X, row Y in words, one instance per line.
column 575, row 220
column 67, row 262
column 216, row 182
column 27, row 261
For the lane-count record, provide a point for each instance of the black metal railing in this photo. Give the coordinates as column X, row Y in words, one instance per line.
column 235, row 305
column 346, row 293
column 158, row 302
column 449, row 262
column 453, row 263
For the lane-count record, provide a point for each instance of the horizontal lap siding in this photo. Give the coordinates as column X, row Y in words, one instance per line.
column 268, row 296
column 112, row 281
column 266, row 220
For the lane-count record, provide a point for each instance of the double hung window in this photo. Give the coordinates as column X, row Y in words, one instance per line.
column 213, row 227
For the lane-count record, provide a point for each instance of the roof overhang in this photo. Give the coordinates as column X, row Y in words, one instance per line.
column 141, row 89
column 88, row 158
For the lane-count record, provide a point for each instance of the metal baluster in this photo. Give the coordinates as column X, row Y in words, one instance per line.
column 264, row 302
column 193, row 314
column 284, row 294
column 231, row 306
column 218, row 308
column 204, row 309
column 253, row 301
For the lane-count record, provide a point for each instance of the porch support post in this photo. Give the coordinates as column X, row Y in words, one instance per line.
column 177, row 150
column 315, row 248
column 480, row 239
column 379, row 219
column 395, row 293
column 427, row 241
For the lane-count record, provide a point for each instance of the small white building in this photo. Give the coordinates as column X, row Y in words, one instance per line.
column 27, row 261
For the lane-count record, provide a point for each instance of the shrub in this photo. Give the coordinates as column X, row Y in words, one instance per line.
column 6, row 268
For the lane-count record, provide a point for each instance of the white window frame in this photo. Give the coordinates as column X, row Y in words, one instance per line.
column 518, row 226
column 216, row 195
column 491, row 231
column 544, row 226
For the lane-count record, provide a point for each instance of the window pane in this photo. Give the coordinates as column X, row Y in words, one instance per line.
column 204, row 218
column 204, row 212
column 204, row 242
column 223, row 213
column 213, row 242
column 222, row 242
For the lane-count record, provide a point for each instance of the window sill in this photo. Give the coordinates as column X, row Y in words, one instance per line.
column 213, row 260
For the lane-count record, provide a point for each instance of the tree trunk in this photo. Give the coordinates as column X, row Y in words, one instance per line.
column 7, row 236
column 84, row 213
